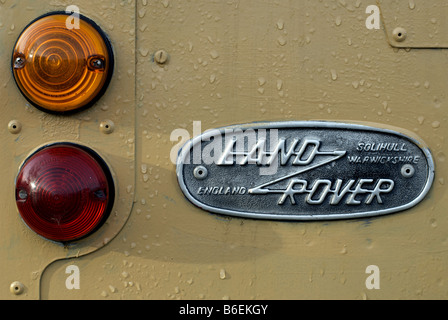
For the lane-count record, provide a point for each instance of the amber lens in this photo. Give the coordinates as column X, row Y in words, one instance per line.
column 61, row 69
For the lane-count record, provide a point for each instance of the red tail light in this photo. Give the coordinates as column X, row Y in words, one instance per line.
column 64, row 192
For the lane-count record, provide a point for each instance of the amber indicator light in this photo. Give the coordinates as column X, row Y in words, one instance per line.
column 64, row 192
column 59, row 69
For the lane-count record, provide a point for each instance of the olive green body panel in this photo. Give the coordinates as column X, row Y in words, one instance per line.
column 222, row 63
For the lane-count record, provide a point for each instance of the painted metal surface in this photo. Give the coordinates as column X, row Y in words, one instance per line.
column 399, row 21
column 23, row 253
column 222, row 63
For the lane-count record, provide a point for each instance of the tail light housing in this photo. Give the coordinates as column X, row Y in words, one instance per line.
column 64, row 192
column 62, row 70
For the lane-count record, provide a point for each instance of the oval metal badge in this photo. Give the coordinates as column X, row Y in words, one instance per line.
column 304, row 171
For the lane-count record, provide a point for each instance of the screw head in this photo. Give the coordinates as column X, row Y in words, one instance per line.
column 161, row 57
column 200, row 172
column 96, row 63
column 23, row 194
column 19, row 62
column 407, row 171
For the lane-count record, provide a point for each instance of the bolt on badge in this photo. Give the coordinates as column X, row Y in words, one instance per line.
column 304, row 171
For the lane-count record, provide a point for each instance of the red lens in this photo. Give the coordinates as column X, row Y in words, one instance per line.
column 64, row 192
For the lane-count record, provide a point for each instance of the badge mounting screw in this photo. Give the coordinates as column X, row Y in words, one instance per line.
column 407, row 171
column 200, row 172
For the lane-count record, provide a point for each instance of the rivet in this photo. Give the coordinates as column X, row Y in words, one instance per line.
column 107, row 126
column 399, row 34
column 17, row 288
column 407, row 171
column 200, row 172
column 161, row 57
column 14, row 126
